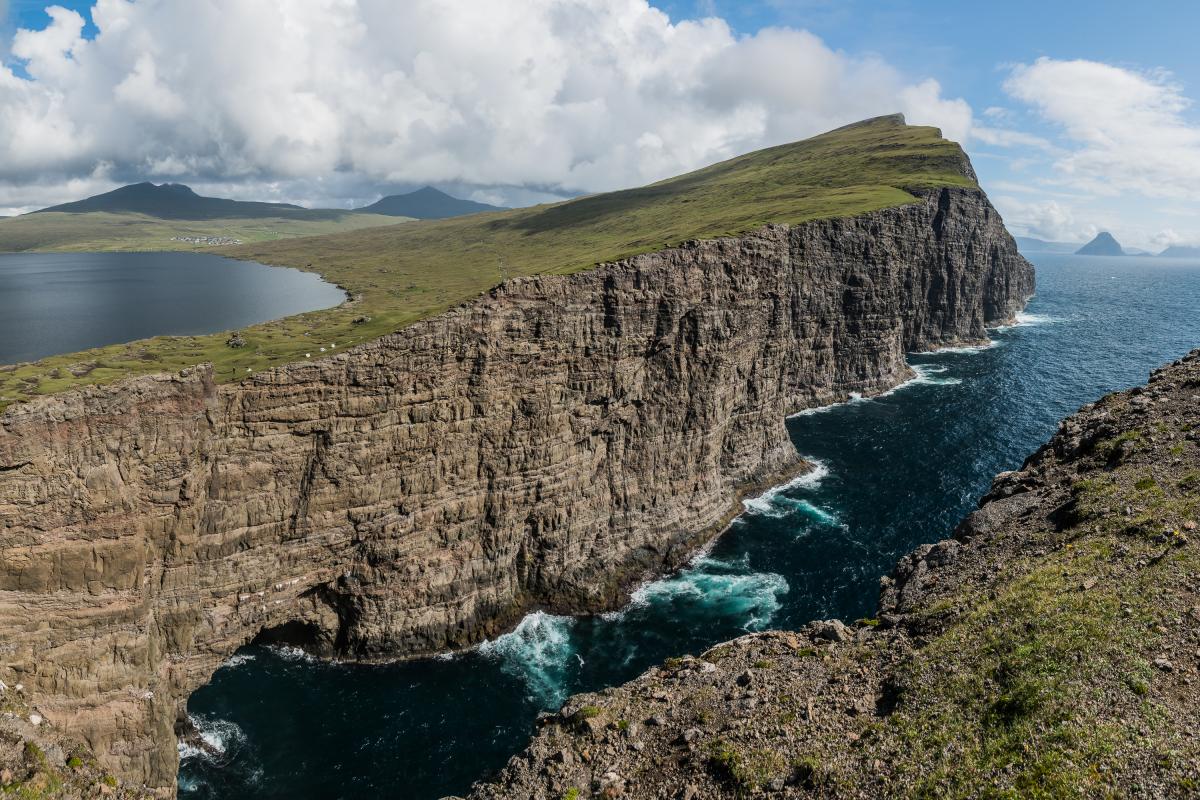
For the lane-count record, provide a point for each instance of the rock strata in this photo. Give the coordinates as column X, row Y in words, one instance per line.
column 546, row 445
column 1050, row 649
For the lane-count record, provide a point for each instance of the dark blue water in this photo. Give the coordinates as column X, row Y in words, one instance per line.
column 63, row 302
column 896, row 471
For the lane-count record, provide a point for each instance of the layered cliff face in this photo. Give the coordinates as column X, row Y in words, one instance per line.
column 1050, row 649
column 547, row 445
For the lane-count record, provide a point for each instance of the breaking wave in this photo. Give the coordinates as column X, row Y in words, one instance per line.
column 289, row 653
column 1024, row 320
column 855, row 397
column 970, row 349
column 926, row 375
column 221, row 739
column 723, row 588
column 768, row 503
column 536, row 651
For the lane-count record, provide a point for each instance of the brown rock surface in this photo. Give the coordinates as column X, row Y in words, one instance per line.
column 1049, row 650
column 548, row 444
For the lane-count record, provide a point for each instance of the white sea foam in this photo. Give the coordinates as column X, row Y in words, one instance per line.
column 188, row 785
column 970, row 349
column 537, row 651
column 766, row 504
column 753, row 596
column 1023, row 320
column 855, row 397
column 289, row 653
column 926, row 375
column 238, row 659
column 219, row 737
column 814, row 511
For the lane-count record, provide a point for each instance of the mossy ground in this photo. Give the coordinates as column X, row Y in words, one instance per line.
column 40, row 762
column 403, row 273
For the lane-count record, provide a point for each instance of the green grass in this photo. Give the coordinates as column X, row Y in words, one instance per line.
column 587, row 712
column 104, row 231
column 744, row 771
column 1003, row 690
column 407, row 272
column 1042, row 687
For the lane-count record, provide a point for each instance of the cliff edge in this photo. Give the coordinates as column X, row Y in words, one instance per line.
column 1050, row 649
column 547, row 445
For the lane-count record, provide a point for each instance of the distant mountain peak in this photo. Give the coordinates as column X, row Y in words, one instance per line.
column 1103, row 245
column 178, row 201
column 427, row 203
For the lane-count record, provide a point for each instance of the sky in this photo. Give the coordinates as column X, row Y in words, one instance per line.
column 1078, row 116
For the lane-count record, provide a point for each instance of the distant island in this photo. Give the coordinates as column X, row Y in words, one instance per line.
column 1181, row 251
column 427, row 203
column 1103, row 245
column 1029, row 244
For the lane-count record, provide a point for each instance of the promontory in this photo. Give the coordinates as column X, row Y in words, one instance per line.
column 518, row 409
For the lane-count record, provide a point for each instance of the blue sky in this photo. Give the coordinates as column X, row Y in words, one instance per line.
column 1078, row 116
column 969, row 46
column 32, row 13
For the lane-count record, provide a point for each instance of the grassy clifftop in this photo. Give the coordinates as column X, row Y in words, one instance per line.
column 403, row 273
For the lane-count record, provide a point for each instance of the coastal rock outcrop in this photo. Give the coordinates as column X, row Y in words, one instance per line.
column 546, row 445
column 1049, row 649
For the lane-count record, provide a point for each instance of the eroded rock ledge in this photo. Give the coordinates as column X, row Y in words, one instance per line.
column 1050, row 649
column 547, row 445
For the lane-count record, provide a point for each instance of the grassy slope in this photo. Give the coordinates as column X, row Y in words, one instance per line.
column 58, row 231
column 407, row 272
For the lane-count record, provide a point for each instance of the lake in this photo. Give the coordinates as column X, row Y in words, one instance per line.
column 54, row 303
column 895, row 472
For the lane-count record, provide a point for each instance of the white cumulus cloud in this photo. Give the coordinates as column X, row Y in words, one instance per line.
column 1125, row 130
column 327, row 100
column 1044, row 219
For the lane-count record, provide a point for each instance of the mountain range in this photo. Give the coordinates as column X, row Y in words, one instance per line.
column 171, row 216
column 176, row 201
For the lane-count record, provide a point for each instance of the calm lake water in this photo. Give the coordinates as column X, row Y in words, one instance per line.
column 896, row 471
column 54, row 303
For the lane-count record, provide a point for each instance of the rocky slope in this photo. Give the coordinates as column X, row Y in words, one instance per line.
column 1050, row 649
column 547, row 445
column 39, row 761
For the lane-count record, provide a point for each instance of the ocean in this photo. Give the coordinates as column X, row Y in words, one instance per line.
column 893, row 472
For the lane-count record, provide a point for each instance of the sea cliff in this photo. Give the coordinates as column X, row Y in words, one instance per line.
column 545, row 446
column 1048, row 649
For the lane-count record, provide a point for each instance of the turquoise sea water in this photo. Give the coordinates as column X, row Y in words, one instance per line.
column 895, row 472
